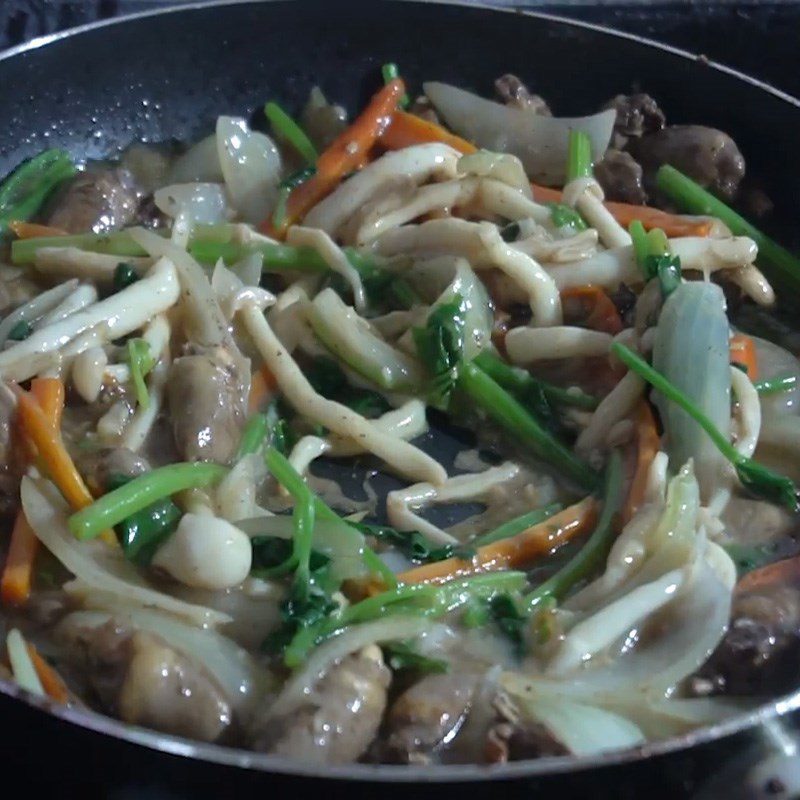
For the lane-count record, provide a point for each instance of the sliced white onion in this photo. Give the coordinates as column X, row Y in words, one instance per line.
column 96, row 565
column 200, row 203
column 199, row 163
column 539, row 142
column 251, row 166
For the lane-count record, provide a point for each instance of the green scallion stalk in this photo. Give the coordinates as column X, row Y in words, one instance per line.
column 640, row 244
column 562, row 216
column 782, row 383
column 779, row 264
column 303, row 519
column 254, row 433
column 390, row 72
column 413, row 599
column 579, row 156
column 141, row 362
column 293, row 482
column 507, row 412
column 144, row 490
column 119, row 243
column 519, row 381
column 285, row 127
column 593, row 553
column 24, row 191
column 517, row 525
column 754, row 476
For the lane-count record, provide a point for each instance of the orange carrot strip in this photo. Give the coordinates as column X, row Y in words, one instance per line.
column 743, row 352
column 60, row 467
column 673, row 225
column 785, row 571
column 15, row 585
column 406, row 130
column 515, row 551
column 599, row 311
column 343, row 155
column 262, row 387
column 51, row 681
column 30, row 230
column 16, row 581
column 647, row 445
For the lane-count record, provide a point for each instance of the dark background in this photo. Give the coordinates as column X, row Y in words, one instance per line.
column 758, row 38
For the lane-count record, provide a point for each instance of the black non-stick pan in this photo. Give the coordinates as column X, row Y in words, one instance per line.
column 166, row 76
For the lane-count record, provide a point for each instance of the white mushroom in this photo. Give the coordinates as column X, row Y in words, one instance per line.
column 206, row 552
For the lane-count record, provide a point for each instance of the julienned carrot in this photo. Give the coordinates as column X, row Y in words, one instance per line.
column 51, row 681
column 56, row 461
column 32, row 230
column 515, row 551
column 783, row 572
column 598, row 310
column 647, row 445
column 15, row 584
column 406, row 130
column 673, row 225
column 262, row 387
column 743, row 352
column 344, row 155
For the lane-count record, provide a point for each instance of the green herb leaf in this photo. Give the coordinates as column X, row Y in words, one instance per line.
column 564, row 216
column 124, row 275
column 22, row 330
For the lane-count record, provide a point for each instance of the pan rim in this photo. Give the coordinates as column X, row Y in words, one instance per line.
column 384, row 773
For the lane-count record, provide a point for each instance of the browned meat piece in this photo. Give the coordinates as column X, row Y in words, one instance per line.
column 706, row 155
column 341, row 719
column 513, row 92
column 207, row 406
column 98, row 200
column 428, row 715
column 11, row 461
column 99, row 467
column 637, row 114
column 761, row 650
column 143, row 681
column 514, row 742
column 513, row 738
column 621, row 177
column 423, row 107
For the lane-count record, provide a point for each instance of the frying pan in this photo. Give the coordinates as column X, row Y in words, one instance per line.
column 165, row 75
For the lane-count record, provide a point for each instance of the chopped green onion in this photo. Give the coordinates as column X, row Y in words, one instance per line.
column 141, row 362
column 781, row 383
column 579, row 156
column 517, row 525
column 591, row 556
column 24, row 191
column 640, row 244
column 753, row 476
column 254, row 433
column 110, row 509
column 124, row 275
column 657, row 242
column 390, row 73
column 144, row 531
column 668, row 269
column 119, row 243
column 22, row 330
column 506, row 411
column 279, row 214
column 293, row 482
column 521, row 382
column 784, row 268
column 285, row 127
column 565, row 216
